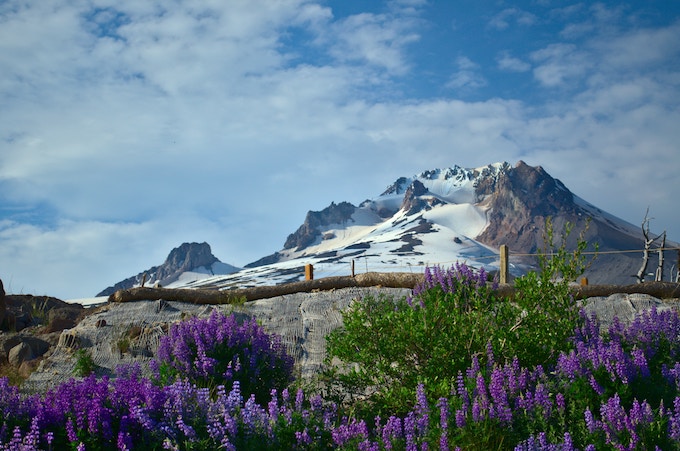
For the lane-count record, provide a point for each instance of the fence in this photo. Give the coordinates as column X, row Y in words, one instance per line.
column 504, row 254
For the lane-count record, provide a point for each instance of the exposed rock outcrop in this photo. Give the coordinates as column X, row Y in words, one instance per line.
column 520, row 199
column 309, row 231
column 416, row 199
column 184, row 258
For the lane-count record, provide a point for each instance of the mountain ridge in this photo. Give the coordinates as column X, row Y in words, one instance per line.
column 441, row 216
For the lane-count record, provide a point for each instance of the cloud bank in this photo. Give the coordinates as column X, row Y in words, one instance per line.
column 130, row 127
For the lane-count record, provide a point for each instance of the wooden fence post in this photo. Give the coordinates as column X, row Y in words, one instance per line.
column 504, row 264
column 584, row 281
column 352, row 267
column 309, row 272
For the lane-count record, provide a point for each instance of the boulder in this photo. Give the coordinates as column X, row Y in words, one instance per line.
column 16, row 348
column 20, row 354
column 59, row 319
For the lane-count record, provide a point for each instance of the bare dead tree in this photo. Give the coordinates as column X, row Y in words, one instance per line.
column 658, row 277
column 648, row 243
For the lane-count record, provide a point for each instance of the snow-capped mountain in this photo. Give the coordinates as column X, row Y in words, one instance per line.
column 440, row 217
column 185, row 264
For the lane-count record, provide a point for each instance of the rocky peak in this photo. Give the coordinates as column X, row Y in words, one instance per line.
column 414, row 201
column 398, row 187
column 520, row 199
column 186, row 257
column 309, row 231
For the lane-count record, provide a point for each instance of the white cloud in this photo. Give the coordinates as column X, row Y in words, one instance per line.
column 226, row 121
column 376, row 39
column 468, row 76
column 558, row 64
column 509, row 63
column 501, row 21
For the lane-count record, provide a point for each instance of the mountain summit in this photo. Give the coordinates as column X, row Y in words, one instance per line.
column 187, row 262
column 453, row 214
column 438, row 217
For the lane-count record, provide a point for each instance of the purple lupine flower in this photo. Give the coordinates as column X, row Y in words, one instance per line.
column 391, row 431
column 410, row 432
column 443, row 405
column 303, row 437
column 349, row 431
column 674, row 420
column 499, row 396
column 460, row 418
column 299, row 399
column 246, row 353
column 461, row 391
column 422, row 410
column 273, row 407
column 481, row 395
column 560, row 402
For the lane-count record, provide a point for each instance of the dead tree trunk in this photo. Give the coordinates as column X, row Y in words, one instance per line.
column 658, row 277
column 645, row 253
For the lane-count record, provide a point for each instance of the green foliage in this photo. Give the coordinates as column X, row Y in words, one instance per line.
column 390, row 346
column 548, row 314
column 85, row 365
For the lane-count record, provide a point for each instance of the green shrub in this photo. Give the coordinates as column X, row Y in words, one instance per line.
column 390, row 346
column 85, row 365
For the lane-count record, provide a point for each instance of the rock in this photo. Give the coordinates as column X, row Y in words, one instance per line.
column 16, row 348
column 19, row 354
column 184, row 258
column 309, row 231
column 62, row 318
column 623, row 306
column 23, row 320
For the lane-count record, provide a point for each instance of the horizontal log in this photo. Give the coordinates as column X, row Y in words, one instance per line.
column 204, row 296
column 662, row 290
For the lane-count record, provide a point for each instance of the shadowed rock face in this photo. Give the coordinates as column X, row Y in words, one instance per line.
column 520, row 200
column 184, row 258
column 417, row 199
column 309, row 231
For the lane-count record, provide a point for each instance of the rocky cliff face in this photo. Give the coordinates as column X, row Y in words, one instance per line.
column 520, row 199
column 309, row 231
column 184, row 258
column 416, row 199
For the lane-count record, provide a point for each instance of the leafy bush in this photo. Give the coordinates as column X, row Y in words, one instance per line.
column 454, row 316
column 84, row 363
column 427, row 338
column 548, row 314
column 219, row 350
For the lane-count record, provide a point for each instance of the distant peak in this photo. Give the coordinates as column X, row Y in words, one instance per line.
column 189, row 256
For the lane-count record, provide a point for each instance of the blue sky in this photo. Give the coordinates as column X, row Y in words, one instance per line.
column 127, row 127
